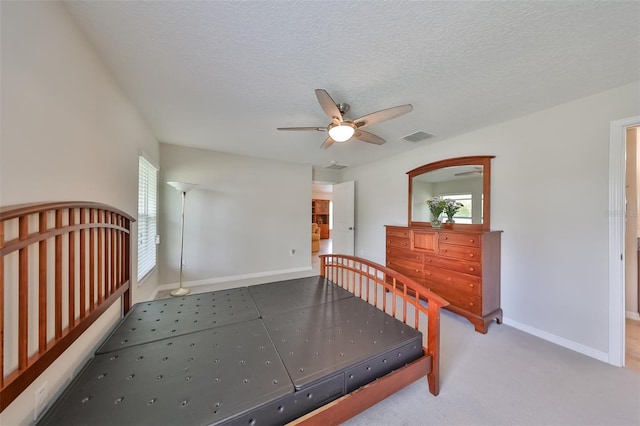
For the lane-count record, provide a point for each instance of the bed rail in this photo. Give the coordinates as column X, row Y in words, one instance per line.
column 393, row 293
column 62, row 264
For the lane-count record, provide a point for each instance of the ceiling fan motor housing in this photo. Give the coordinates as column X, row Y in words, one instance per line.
column 343, row 107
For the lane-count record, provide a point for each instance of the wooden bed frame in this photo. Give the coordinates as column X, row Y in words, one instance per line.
column 400, row 297
column 74, row 260
column 65, row 263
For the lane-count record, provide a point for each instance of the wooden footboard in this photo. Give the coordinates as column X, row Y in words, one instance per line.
column 61, row 266
column 393, row 293
column 400, row 297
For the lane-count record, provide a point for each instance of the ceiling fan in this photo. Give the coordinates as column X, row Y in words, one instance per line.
column 341, row 129
column 475, row 171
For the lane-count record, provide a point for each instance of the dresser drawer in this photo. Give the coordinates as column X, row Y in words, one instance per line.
column 398, row 242
column 405, row 254
column 466, row 267
column 398, row 232
column 469, row 240
column 460, row 252
column 465, row 301
column 454, row 280
column 406, row 267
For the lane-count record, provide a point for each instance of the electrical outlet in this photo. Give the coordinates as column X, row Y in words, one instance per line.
column 292, row 252
column 41, row 397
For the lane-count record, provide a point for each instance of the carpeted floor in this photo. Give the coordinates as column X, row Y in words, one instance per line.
column 508, row 377
column 505, row 377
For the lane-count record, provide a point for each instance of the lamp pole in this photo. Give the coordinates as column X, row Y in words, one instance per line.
column 183, row 187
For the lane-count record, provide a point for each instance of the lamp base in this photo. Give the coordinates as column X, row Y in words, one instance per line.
column 180, row 292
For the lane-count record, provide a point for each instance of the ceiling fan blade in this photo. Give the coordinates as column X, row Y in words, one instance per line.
column 327, row 143
column 383, row 115
column 368, row 137
column 328, row 105
column 473, row 172
column 319, row 129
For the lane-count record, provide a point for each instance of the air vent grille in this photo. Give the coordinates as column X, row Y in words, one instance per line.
column 417, row 136
column 335, row 166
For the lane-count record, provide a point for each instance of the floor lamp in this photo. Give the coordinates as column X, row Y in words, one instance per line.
column 183, row 187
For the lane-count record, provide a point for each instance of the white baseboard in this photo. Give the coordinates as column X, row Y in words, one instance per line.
column 569, row 344
column 632, row 315
column 232, row 281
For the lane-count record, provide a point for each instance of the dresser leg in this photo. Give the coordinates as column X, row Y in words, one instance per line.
column 482, row 324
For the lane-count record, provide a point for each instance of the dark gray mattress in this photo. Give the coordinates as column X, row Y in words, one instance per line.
column 257, row 355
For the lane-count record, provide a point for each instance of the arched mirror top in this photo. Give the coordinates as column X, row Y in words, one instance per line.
column 464, row 179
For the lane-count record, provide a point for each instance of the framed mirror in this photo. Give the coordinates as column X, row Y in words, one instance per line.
column 466, row 180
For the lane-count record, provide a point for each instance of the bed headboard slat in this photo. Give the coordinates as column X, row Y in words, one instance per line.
column 62, row 264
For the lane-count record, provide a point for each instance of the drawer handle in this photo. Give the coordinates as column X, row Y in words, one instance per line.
column 444, row 250
column 404, row 244
column 470, row 254
column 472, row 269
column 471, row 285
column 448, row 278
column 428, row 274
column 472, row 240
column 471, row 304
column 445, row 238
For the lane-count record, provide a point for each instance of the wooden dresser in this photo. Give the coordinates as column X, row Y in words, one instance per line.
column 461, row 266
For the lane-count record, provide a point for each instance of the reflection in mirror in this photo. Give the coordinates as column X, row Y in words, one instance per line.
column 466, row 180
column 460, row 183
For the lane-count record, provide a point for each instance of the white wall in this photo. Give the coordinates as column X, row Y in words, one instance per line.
column 243, row 219
column 549, row 196
column 68, row 133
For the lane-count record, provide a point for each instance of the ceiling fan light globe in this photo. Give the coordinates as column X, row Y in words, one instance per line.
column 341, row 132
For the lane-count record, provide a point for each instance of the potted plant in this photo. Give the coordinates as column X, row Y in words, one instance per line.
column 436, row 206
column 451, row 208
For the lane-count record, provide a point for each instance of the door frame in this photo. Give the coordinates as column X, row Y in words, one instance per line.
column 617, row 171
column 340, row 234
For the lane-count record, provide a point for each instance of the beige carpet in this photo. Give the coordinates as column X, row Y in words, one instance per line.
column 505, row 377
column 508, row 377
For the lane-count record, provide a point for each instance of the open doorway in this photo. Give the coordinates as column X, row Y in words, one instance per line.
column 322, row 216
column 632, row 248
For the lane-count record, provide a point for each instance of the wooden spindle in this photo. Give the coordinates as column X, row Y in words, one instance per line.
column 83, row 264
column 92, row 261
column 42, row 284
column 72, row 271
column 58, row 279
column 23, row 294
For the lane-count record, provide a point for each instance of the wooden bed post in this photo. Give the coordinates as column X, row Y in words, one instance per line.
column 322, row 266
column 433, row 342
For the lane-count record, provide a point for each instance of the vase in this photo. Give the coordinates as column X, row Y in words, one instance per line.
column 436, row 223
column 450, row 220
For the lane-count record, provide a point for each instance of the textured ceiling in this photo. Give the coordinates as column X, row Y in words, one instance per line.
column 223, row 75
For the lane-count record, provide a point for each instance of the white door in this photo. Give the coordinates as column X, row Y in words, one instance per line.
column 343, row 218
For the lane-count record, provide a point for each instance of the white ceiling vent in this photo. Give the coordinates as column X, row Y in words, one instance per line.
column 417, row 136
column 335, row 166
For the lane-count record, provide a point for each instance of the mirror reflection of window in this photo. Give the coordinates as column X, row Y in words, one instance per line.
column 464, row 215
column 449, row 182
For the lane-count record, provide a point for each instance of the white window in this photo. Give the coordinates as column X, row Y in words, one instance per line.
column 147, row 217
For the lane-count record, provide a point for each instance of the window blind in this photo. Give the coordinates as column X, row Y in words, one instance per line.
column 147, row 217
